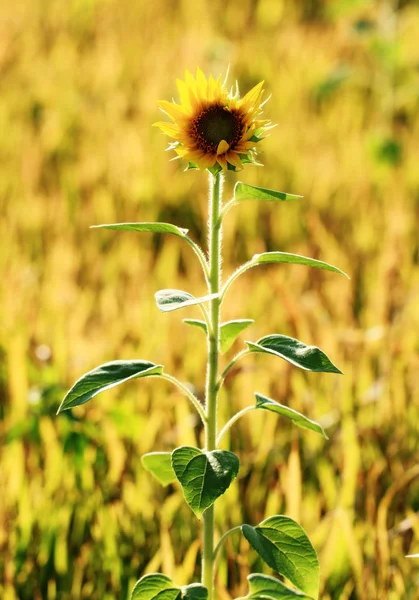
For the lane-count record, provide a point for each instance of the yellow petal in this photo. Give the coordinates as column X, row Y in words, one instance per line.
column 222, row 147
column 183, row 94
column 222, row 162
column 234, row 160
column 169, row 129
column 173, row 110
column 252, row 97
column 201, row 84
column 191, row 83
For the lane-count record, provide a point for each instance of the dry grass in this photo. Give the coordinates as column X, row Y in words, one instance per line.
column 79, row 517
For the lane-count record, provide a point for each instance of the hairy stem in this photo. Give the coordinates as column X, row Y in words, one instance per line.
column 212, row 370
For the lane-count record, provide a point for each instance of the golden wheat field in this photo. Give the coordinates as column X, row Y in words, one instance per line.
column 79, row 516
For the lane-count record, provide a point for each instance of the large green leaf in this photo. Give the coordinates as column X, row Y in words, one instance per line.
column 204, row 476
column 194, row 591
column 285, row 547
column 145, row 227
column 168, row 300
column 160, row 466
column 230, row 330
column 297, row 418
column 244, row 191
column 294, row 259
column 105, row 377
column 262, row 587
column 309, row 358
column 155, row 587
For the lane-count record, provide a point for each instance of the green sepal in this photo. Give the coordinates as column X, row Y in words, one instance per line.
column 284, row 546
column 309, row 358
column 204, row 476
column 168, row 300
column 159, row 464
column 285, row 411
column 107, row 376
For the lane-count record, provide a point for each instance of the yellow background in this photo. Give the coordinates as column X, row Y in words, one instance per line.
column 79, row 516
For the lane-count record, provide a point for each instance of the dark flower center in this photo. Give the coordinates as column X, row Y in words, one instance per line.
column 214, row 124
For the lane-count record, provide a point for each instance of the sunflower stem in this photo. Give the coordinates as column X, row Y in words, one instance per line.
column 211, row 395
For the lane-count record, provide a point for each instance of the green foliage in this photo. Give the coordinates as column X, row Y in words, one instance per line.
column 145, row 227
column 160, row 465
column 106, row 377
column 285, row 411
column 244, row 191
column 285, row 547
column 168, row 300
column 263, row 586
column 229, row 331
column 292, row 259
column 204, row 476
column 156, row 586
column 309, row 358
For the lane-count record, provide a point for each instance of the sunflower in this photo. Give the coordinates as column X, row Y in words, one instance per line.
column 214, row 128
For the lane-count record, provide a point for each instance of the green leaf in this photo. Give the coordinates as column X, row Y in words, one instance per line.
column 294, row 259
column 262, row 587
column 309, row 358
column 204, row 476
column 285, row 547
column 145, row 227
column 107, row 376
column 196, row 323
column 168, row 300
column 155, row 587
column 194, row 591
column 230, row 330
column 299, row 419
column 244, row 191
column 160, row 466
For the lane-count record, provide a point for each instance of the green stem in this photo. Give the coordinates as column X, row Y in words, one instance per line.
column 230, row 365
column 232, row 421
column 224, row 537
column 187, row 393
column 212, row 370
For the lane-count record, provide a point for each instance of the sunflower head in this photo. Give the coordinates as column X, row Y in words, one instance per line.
column 213, row 128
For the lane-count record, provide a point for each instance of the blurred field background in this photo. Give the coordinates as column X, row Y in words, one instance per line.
column 79, row 516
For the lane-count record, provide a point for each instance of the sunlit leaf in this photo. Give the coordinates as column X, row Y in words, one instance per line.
column 194, row 591
column 285, row 547
column 107, row 376
column 294, row 259
column 244, row 191
column 309, row 358
column 168, row 300
column 285, row 411
column 262, row 587
column 155, row 586
column 160, row 466
column 204, row 476
column 145, row 227
column 230, row 330
column 196, row 323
